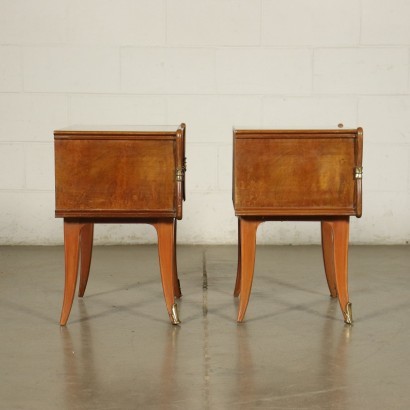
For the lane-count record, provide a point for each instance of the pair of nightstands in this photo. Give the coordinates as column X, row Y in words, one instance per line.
column 137, row 175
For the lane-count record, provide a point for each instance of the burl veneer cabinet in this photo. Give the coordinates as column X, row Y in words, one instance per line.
column 297, row 175
column 119, row 175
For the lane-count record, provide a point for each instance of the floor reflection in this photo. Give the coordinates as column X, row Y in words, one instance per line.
column 80, row 375
column 265, row 377
column 152, row 381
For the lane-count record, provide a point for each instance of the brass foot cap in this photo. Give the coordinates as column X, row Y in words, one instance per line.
column 348, row 315
column 174, row 315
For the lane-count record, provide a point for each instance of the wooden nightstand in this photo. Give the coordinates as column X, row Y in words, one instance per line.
column 121, row 174
column 297, row 175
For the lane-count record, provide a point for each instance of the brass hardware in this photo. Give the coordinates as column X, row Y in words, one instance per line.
column 358, row 172
column 348, row 315
column 174, row 315
column 180, row 174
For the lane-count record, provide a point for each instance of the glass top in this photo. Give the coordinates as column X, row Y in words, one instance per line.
column 120, row 128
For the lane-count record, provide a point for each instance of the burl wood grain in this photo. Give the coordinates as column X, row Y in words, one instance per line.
column 295, row 173
column 115, row 176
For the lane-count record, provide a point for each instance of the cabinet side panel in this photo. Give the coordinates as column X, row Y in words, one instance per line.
column 114, row 175
column 292, row 175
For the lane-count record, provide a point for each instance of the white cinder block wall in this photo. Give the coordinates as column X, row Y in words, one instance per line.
column 212, row 64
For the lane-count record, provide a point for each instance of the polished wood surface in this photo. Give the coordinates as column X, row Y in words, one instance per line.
column 86, row 246
column 166, row 252
column 335, row 246
column 72, row 237
column 296, row 172
column 296, row 175
column 119, row 175
column 247, row 233
column 126, row 174
column 115, row 176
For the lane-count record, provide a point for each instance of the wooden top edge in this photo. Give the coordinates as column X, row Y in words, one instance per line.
column 105, row 213
column 299, row 212
column 101, row 131
column 115, row 136
column 341, row 133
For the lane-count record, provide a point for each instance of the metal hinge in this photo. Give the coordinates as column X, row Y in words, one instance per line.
column 358, row 172
column 180, row 174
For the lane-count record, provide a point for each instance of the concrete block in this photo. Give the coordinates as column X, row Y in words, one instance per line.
column 31, row 117
column 385, row 119
column 116, row 22
column 288, row 233
column 361, row 71
column 71, row 69
column 202, row 168
column 29, row 225
column 117, row 109
column 11, row 166
column 314, row 22
column 209, row 218
column 385, row 167
column 264, row 71
column 210, row 118
column 213, row 22
column 225, row 157
column 309, row 112
column 143, row 70
column 40, row 166
column 385, row 219
column 10, row 69
column 167, row 71
column 408, row 177
column 385, row 22
column 190, row 71
column 32, row 22
column 117, row 234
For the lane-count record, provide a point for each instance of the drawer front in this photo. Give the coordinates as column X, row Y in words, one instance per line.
column 294, row 176
column 106, row 177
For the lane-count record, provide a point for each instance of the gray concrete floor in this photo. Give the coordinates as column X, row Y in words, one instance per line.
column 119, row 351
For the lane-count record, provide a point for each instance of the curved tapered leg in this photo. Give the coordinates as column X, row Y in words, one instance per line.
column 71, row 251
column 237, row 289
column 177, row 284
column 248, row 248
column 86, row 245
column 340, row 232
column 165, row 230
column 327, row 250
